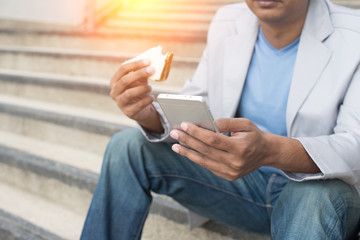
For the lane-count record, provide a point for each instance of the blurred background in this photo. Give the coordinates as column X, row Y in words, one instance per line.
column 56, row 59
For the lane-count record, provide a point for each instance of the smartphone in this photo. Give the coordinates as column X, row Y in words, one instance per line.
column 185, row 108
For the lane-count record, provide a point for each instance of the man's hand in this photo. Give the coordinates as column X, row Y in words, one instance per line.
column 131, row 91
column 229, row 157
column 246, row 149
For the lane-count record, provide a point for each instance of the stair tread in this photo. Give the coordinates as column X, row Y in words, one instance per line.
column 103, row 40
column 160, row 26
column 53, row 76
column 41, row 212
column 107, row 117
column 175, row 8
column 84, row 53
column 59, row 153
column 203, row 3
column 66, row 224
column 161, row 16
column 103, row 82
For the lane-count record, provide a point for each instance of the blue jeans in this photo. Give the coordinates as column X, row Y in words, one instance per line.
column 259, row 202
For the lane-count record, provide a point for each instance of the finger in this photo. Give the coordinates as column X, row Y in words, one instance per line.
column 217, row 155
column 218, row 168
column 133, row 79
column 130, row 94
column 133, row 108
column 131, row 104
column 210, row 138
column 125, row 69
column 194, row 143
column 234, row 125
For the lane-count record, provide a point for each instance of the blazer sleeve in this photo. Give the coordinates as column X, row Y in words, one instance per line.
column 338, row 155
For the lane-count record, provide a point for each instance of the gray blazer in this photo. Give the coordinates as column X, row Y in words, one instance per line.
column 323, row 109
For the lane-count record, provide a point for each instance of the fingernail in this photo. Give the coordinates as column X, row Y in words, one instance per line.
column 174, row 135
column 146, row 61
column 150, row 70
column 184, row 126
column 175, row 148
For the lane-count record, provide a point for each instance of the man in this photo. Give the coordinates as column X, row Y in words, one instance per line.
column 283, row 78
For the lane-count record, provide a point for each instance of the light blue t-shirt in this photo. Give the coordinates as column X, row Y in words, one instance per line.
column 267, row 85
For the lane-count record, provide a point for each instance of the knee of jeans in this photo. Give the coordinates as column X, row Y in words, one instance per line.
column 332, row 193
column 124, row 143
column 131, row 137
column 326, row 204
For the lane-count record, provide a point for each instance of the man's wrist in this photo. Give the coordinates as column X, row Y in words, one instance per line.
column 274, row 150
column 152, row 122
column 288, row 154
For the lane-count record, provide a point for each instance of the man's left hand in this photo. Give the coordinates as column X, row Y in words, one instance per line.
column 230, row 157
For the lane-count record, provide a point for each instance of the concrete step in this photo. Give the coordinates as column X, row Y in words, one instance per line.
column 116, row 40
column 64, row 176
column 195, row 24
column 36, row 217
column 84, row 92
column 185, row 2
column 217, row 3
column 176, row 6
column 144, row 20
column 77, row 127
column 173, row 14
column 84, row 63
column 47, row 185
column 171, row 17
column 59, row 173
column 13, row 227
column 107, row 41
column 164, row 19
column 161, row 33
column 162, row 26
column 156, row 228
column 173, row 8
column 60, row 222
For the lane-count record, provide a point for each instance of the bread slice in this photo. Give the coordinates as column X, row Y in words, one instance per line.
column 160, row 62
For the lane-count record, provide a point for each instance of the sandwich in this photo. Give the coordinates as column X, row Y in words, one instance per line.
column 160, row 62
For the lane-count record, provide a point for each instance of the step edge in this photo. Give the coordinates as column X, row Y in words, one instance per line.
column 27, row 230
column 45, row 167
column 79, row 122
column 79, row 83
column 161, row 206
column 99, row 33
column 101, row 55
column 79, row 178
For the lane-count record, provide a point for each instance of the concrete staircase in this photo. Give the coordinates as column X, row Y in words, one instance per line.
column 56, row 116
column 176, row 19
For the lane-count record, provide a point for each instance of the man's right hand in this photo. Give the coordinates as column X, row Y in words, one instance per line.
column 131, row 91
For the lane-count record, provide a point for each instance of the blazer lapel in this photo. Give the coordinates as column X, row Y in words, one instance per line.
column 312, row 58
column 237, row 55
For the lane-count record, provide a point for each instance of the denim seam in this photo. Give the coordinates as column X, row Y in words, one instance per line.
column 335, row 204
column 268, row 192
column 211, row 186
